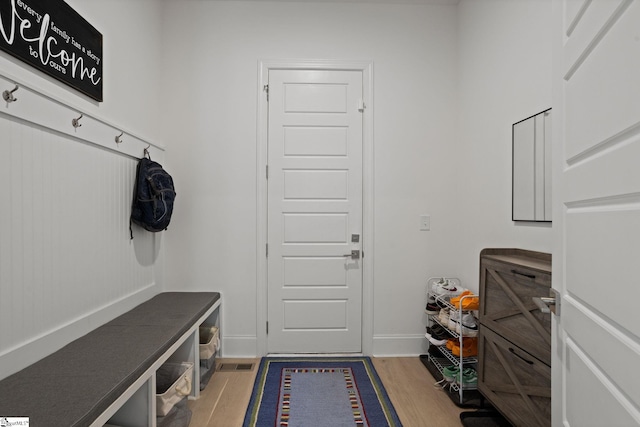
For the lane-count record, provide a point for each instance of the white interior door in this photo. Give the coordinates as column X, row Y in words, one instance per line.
column 314, row 211
column 597, row 185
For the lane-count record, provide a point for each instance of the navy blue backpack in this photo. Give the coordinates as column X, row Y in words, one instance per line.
column 153, row 196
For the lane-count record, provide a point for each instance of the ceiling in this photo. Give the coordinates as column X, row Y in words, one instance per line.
column 445, row 2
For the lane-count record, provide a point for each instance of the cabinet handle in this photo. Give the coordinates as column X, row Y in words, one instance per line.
column 530, row 276
column 516, row 354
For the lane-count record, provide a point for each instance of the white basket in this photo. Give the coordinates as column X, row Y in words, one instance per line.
column 209, row 341
column 173, row 383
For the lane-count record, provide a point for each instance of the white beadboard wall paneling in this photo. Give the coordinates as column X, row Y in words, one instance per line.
column 67, row 263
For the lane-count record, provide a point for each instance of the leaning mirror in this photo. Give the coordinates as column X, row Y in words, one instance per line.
column 531, row 181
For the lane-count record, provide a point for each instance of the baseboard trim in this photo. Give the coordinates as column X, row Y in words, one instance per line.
column 383, row 346
column 399, row 345
column 239, row 346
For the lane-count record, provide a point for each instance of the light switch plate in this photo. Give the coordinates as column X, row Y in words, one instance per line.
column 425, row 222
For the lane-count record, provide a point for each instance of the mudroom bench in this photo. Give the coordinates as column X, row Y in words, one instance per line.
column 108, row 375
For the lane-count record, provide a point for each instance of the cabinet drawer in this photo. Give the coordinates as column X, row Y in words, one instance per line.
column 506, row 305
column 514, row 381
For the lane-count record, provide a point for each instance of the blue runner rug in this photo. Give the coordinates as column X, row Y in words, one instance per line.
column 322, row 391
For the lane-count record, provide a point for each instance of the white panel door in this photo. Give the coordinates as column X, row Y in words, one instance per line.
column 597, row 218
column 314, row 211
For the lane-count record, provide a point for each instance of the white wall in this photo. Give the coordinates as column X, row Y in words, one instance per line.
column 66, row 262
column 212, row 56
column 504, row 76
column 448, row 83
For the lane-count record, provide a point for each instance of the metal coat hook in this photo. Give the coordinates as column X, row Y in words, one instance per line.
column 76, row 122
column 119, row 138
column 7, row 95
column 146, row 152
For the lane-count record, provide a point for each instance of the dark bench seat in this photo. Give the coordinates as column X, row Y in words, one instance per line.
column 76, row 384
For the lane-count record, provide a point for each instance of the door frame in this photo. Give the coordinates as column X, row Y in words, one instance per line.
column 366, row 67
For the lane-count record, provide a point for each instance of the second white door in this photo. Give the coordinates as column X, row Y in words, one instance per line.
column 314, row 211
column 596, row 338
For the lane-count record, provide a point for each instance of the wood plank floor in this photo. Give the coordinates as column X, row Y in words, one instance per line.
column 410, row 387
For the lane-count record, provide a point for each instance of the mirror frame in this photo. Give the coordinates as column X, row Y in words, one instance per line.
column 531, row 168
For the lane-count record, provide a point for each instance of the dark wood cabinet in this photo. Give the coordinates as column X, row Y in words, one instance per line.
column 514, row 348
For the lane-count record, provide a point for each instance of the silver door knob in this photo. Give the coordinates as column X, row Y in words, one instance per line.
column 549, row 304
column 544, row 303
column 355, row 254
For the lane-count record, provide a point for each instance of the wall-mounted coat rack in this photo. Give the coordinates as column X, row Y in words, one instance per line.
column 44, row 110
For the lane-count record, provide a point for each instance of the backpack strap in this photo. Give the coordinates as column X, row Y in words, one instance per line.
column 135, row 193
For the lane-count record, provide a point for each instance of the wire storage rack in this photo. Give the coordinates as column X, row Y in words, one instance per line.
column 439, row 357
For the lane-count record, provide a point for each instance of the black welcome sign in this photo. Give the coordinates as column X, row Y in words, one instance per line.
column 51, row 36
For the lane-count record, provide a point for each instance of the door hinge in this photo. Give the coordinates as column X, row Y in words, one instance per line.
column 267, row 250
column 266, row 90
column 267, row 171
column 267, row 328
column 361, row 105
